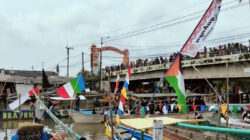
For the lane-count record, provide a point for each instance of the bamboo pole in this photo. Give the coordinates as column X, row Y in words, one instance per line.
column 227, row 100
column 110, row 108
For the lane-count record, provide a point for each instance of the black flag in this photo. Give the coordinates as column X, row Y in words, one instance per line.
column 45, row 83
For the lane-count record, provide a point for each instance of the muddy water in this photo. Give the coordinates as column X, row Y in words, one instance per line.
column 89, row 131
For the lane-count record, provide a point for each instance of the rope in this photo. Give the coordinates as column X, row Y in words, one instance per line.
column 71, row 133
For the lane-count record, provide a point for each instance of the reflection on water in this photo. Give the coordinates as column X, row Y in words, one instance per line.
column 89, row 131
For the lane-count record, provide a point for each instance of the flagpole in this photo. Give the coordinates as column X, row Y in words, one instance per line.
column 227, row 100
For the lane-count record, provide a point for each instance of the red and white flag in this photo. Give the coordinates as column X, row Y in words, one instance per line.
column 202, row 30
column 35, row 90
column 24, row 98
column 117, row 82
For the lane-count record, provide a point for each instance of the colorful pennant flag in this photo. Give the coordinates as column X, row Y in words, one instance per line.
column 194, row 108
column 117, row 82
column 203, row 107
column 108, row 132
column 248, row 107
column 123, row 95
column 235, row 109
column 76, row 86
column 179, row 107
column 175, row 78
column 223, row 109
column 202, row 30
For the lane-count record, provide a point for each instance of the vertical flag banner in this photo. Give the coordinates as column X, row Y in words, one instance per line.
column 117, row 82
column 202, row 30
column 76, row 86
column 94, row 59
column 123, row 95
column 175, row 78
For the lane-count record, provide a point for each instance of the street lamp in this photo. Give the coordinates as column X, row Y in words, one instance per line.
column 101, row 61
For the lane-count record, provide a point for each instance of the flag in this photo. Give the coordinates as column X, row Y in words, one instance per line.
column 203, row 107
column 76, row 86
column 117, row 82
column 175, row 78
column 45, row 82
column 194, row 107
column 248, row 107
column 202, row 30
column 223, row 109
column 179, row 107
column 108, row 133
column 235, row 109
column 24, row 98
column 35, row 90
column 123, row 95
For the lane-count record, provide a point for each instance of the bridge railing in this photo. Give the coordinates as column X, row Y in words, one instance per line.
column 187, row 63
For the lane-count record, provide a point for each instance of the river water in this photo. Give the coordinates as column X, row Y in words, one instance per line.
column 89, row 131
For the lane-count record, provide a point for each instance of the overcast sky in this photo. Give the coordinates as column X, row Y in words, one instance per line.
column 36, row 32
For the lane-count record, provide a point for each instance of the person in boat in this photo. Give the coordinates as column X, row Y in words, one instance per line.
column 93, row 112
column 245, row 115
column 34, row 131
column 198, row 115
column 103, row 112
column 77, row 104
column 165, row 108
column 32, row 102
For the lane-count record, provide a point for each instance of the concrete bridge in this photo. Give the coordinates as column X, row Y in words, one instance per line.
column 213, row 68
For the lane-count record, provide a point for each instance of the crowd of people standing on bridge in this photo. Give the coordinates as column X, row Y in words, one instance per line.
column 221, row 50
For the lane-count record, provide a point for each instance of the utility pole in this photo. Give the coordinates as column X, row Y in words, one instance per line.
column 83, row 74
column 101, row 62
column 68, row 48
column 101, row 65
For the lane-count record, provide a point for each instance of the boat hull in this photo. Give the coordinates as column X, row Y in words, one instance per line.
column 86, row 118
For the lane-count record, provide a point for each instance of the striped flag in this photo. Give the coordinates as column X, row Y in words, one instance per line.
column 75, row 86
column 175, row 78
column 123, row 95
column 117, row 82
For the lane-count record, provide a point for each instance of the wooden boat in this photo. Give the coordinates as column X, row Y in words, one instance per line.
column 86, row 116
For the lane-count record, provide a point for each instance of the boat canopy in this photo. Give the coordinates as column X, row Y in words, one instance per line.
column 143, row 123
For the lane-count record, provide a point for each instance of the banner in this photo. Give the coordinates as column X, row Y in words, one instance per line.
column 94, row 60
column 202, row 30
